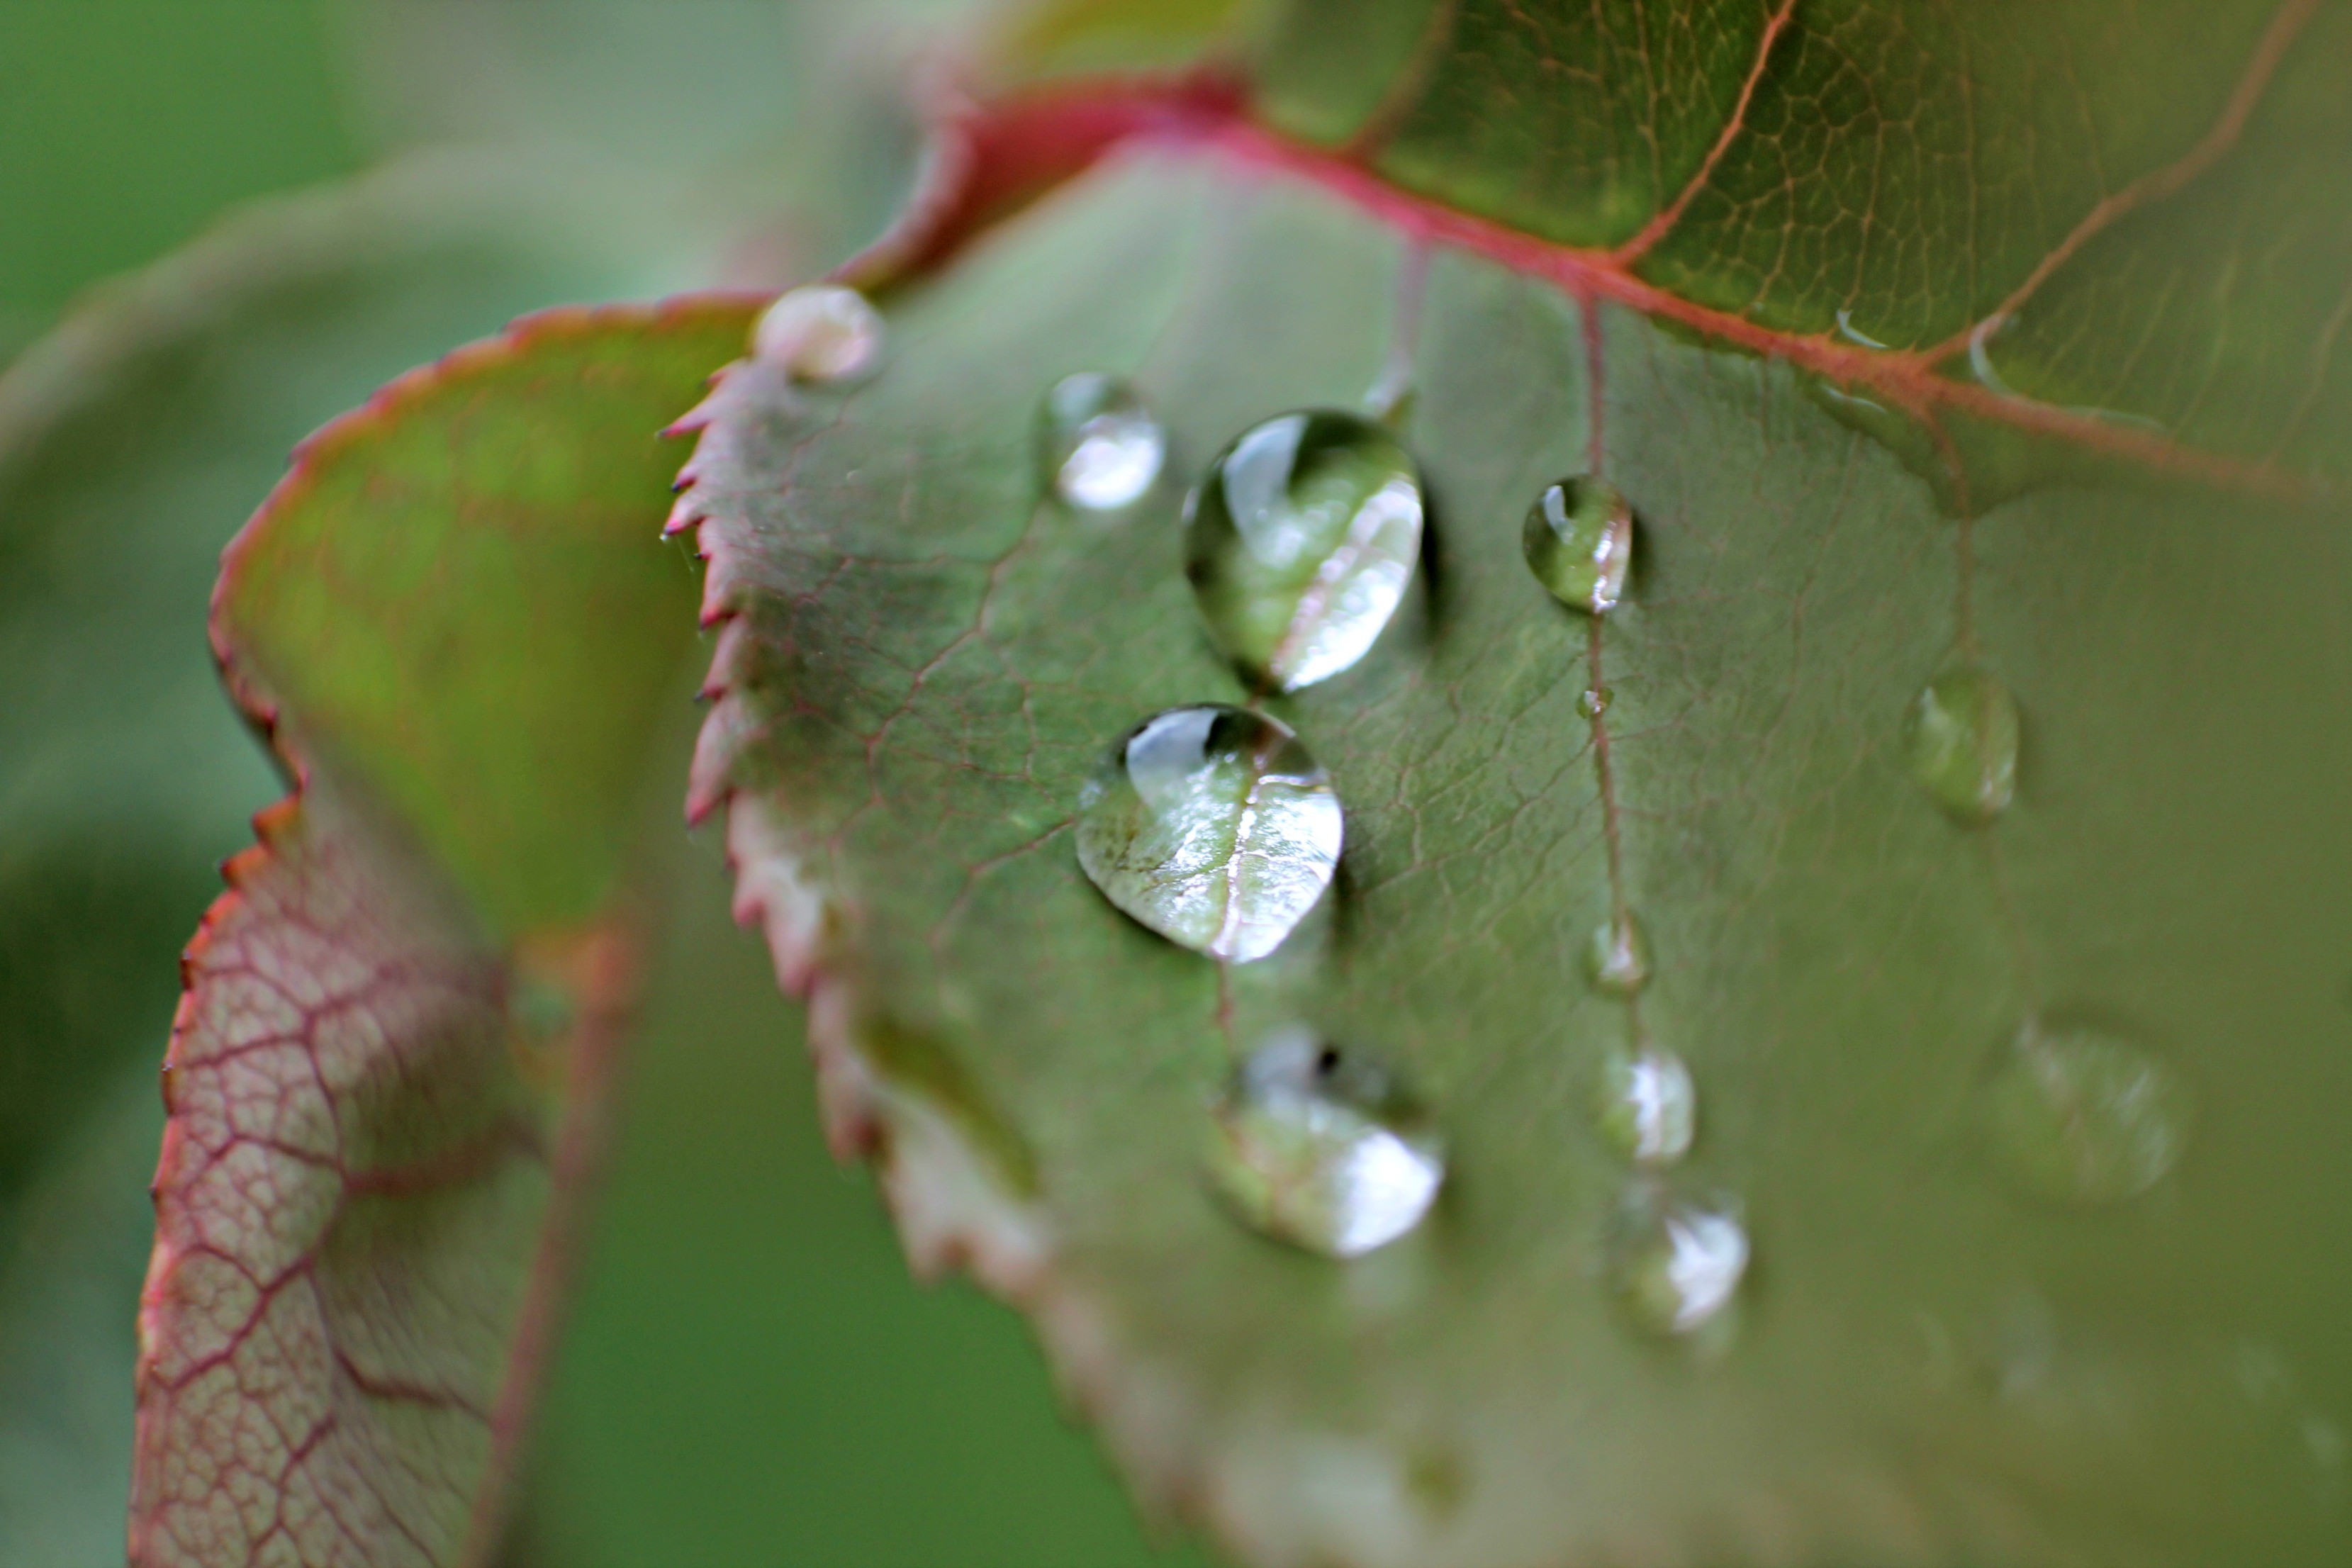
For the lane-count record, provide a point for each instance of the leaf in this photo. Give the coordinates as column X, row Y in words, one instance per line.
column 153, row 419
column 922, row 661
column 388, row 1079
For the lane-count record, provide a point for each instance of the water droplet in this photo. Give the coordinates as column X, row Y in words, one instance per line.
column 1594, row 700
column 1213, row 827
column 1649, row 1107
column 1677, row 1264
column 821, row 333
column 1617, row 955
column 1579, row 541
column 2085, row 1117
column 1321, row 1148
column 1300, row 541
column 1961, row 732
column 1099, row 446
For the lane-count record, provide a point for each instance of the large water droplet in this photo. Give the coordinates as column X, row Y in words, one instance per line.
column 1579, row 539
column 821, row 333
column 1322, row 1149
column 1961, row 732
column 1676, row 1263
column 1097, row 444
column 1648, row 1105
column 1300, row 541
column 1213, row 827
column 2085, row 1117
column 1617, row 955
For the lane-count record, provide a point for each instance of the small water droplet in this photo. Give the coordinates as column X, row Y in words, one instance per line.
column 821, row 333
column 1594, row 700
column 1579, row 541
column 1321, row 1148
column 2085, row 1117
column 1617, row 955
column 1100, row 447
column 1213, row 827
column 1961, row 732
column 1648, row 1106
column 1676, row 1263
column 1300, row 541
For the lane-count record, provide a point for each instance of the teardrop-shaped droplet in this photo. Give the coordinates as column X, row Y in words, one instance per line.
column 1321, row 1148
column 1961, row 732
column 1213, row 827
column 2085, row 1117
column 822, row 333
column 1648, row 1105
column 1097, row 445
column 1300, row 541
column 1617, row 955
column 1579, row 541
column 1676, row 1263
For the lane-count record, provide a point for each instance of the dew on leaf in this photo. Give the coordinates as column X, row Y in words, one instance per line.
column 1594, row 700
column 1321, row 1148
column 1617, row 955
column 1961, row 734
column 1098, row 447
column 820, row 333
column 1648, row 1107
column 2081, row 1116
column 1676, row 1263
column 1213, row 827
column 1579, row 541
column 1300, row 541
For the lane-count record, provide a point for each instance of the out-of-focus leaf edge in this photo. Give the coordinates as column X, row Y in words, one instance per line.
column 603, row 959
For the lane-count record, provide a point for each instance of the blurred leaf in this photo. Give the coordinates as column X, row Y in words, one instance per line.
column 923, row 662
column 225, row 101
column 387, row 1081
column 154, row 419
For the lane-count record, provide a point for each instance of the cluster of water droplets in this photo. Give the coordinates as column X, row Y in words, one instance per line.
column 1214, row 826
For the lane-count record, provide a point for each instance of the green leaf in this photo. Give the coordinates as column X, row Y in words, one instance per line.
column 152, row 420
column 387, row 1081
column 924, row 661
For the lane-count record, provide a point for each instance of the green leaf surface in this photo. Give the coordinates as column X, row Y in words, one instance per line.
column 387, row 1081
column 923, row 662
column 2134, row 210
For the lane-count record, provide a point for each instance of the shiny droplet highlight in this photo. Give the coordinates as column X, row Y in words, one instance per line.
column 1299, row 543
column 1961, row 734
column 1213, row 827
column 820, row 333
column 1321, row 1147
column 1677, row 1264
column 1617, row 955
column 1648, row 1106
column 1579, row 541
column 2083, row 1116
column 1098, row 447
column 1593, row 702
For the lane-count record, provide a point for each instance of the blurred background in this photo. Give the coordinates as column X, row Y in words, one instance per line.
column 222, row 222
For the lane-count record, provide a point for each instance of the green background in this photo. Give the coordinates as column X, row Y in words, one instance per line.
column 750, row 1377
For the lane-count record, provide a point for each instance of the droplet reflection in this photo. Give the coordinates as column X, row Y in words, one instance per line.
column 820, row 333
column 1300, row 541
column 1097, row 444
column 1677, row 1264
column 1213, row 827
column 1579, row 539
column 2085, row 1117
column 1321, row 1148
column 1961, row 732
column 1648, row 1105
